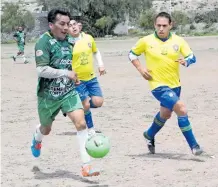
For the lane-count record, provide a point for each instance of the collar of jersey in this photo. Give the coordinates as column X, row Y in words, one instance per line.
column 79, row 37
column 165, row 39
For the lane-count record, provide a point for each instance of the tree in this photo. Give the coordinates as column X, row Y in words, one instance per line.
column 15, row 15
column 146, row 19
column 104, row 24
column 94, row 12
column 179, row 18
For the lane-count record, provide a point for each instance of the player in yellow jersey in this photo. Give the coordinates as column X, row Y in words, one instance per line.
column 83, row 64
column 164, row 52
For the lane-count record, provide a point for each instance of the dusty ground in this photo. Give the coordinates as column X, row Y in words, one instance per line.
column 128, row 110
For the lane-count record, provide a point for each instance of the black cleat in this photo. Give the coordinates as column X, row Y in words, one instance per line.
column 14, row 58
column 150, row 143
column 197, row 150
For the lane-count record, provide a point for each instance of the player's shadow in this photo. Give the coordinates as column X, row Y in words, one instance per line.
column 99, row 186
column 59, row 174
column 172, row 156
column 67, row 134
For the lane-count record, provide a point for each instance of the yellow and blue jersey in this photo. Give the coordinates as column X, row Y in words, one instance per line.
column 161, row 57
column 83, row 62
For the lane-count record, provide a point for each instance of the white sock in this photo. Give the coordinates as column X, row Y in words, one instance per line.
column 38, row 135
column 82, row 137
column 24, row 58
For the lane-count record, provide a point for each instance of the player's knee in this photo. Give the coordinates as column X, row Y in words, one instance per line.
column 166, row 116
column 81, row 125
column 86, row 105
column 45, row 130
column 181, row 109
column 98, row 102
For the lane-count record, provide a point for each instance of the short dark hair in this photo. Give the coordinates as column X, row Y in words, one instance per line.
column 53, row 13
column 165, row 15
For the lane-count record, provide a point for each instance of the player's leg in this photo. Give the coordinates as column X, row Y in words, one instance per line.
column 185, row 126
column 18, row 53
column 72, row 106
column 22, row 56
column 164, row 95
column 95, row 93
column 160, row 119
column 84, row 96
column 96, row 97
column 170, row 99
column 47, row 111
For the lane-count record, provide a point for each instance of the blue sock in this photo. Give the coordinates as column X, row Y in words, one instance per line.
column 92, row 104
column 157, row 124
column 186, row 129
column 88, row 118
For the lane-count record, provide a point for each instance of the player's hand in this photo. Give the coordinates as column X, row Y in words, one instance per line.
column 145, row 73
column 77, row 82
column 182, row 61
column 73, row 76
column 102, row 71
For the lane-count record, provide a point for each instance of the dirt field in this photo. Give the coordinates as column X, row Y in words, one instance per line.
column 128, row 110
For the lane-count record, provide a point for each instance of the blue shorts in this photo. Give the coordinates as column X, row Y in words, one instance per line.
column 88, row 89
column 168, row 97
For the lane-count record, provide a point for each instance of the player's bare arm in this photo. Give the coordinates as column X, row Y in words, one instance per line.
column 143, row 71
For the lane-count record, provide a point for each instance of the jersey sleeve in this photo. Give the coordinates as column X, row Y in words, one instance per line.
column 15, row 35
column 140, row 47
column 185, row 49
column 42, row 53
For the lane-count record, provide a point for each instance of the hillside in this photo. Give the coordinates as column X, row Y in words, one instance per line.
column 189, row 6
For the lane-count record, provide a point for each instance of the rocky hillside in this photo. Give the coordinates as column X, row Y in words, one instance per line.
column 189, row 6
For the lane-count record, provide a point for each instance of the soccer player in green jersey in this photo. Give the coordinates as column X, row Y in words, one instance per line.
column 20, row 37
column 56, row 90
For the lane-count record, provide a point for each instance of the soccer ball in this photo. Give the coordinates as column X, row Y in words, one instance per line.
column 98, row 145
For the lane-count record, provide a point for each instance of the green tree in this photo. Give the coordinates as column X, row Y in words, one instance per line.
column 104, row 24
column 179, row 18
column 15, row 15
column 146, row 19
column 93, row 12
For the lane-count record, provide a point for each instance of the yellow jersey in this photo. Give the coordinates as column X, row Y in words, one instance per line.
column 161, row 58
column 82, row 60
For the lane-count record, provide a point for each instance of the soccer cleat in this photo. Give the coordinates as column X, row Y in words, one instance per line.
column 197, row 150
column 150, row 143
column 97, row 131
column 14, row 58
column 36, row 148
column 93, row 131
column 87, row 171
column 151, row 146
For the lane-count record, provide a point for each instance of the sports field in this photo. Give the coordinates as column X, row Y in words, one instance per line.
column 128, row 110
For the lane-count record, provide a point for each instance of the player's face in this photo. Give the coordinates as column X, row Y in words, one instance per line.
column 20, row 29
column 74, row 28
column 60, row 27
column 162, row 26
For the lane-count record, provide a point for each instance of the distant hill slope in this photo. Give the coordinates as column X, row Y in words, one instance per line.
column 189, row 6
